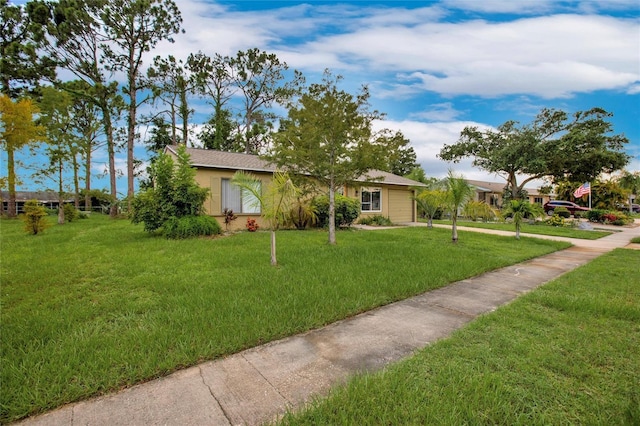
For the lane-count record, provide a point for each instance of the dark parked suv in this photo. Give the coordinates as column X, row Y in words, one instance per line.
column 572, row 207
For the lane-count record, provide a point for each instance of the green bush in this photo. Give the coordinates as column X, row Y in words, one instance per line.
column 562, row 212
column 596, row 215
column 555, row 220
column 347, row 210
column 377, row 220
column 70, row 212
column 175, row 193
column 34, row 217
column 190, row 226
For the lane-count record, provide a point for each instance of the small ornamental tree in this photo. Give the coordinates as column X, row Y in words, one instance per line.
column 34, row 217
column 275, row 203
column 520, row 210
column 174, row 194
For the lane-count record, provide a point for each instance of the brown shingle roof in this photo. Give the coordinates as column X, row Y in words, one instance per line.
column 497, row 187
column 209, row 158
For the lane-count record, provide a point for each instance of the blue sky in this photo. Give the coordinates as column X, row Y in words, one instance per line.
column 435, row 67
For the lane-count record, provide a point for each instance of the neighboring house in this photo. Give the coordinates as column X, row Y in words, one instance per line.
column 48, row 199
column 491, row 193
column 389, row 195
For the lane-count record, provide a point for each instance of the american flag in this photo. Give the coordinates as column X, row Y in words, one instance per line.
column 584, row 189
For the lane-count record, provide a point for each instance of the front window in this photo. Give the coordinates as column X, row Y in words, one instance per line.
column 371, row 200
column 239, row 200
column 537, row 200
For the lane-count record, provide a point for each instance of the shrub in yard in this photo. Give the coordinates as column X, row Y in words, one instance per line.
column 70, row 212
column 252, row 225
column 229, row 216
column 562, row 212
column 347, row 210
column 596, row 215
column 190, row 227
column 303, row 213
column 174, row 193
column 377, row 220
column 34, row 217
column 555, row 220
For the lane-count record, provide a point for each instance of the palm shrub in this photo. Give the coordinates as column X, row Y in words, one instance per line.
column 458, row 192
column 430, row 203
column 174, row 193
column 520, row 210
column 475, row 210
column 303, row 213
column 34, row 217
column 275, row 203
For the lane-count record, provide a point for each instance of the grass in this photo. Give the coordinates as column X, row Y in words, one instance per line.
column 537, row 229
column 566, row 353
column 97, row 305
column 636, row 240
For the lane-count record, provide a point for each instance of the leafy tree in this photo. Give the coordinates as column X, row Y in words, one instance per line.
column 218, row 133
column 400, row 158
column 418, row 174
column 276, row 202
column 172, row 86
column 630, row 182
column 328, row 136
column 161, row 136
column 134, row 27
column 80, row 40
column 62, row 142
column 87, row 123
column 174, row 193
column 213, row 81
column 259, row 77
column 520, row 210
column 22, row 35
column 17, row 130
column 554, row 146
column 458, row 192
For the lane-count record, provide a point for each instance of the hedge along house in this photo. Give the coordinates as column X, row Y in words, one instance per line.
column 380, row 193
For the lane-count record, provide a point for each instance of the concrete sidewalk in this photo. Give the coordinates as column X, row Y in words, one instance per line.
column 260, row 384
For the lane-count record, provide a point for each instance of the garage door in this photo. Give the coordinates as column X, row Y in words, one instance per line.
column 400, row 206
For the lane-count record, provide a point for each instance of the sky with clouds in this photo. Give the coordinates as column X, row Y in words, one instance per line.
column 435, row 67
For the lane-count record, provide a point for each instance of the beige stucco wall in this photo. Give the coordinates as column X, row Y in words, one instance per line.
column 211, row 179
column 396, row 201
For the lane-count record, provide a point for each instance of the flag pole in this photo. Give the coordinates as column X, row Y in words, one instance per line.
column 589, row 195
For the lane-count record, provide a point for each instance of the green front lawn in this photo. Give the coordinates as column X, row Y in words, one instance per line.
column 96, row 305
column 566, row 353
column 537, row 229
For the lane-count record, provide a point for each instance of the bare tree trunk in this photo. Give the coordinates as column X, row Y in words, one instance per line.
column 454, row 228
column 274, row 261
column 87, row 182
column 76, row 184
column 60, row 196
column 108, row 129
column 332, row 214
column 11, row 183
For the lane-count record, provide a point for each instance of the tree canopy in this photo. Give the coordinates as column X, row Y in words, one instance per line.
column 328, row 136
column 555, row 146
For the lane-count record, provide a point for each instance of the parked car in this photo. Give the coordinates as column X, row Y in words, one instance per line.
column 625, row 207
column 572, row 207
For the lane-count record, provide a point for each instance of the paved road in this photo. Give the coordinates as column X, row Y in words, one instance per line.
column 260, row 384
